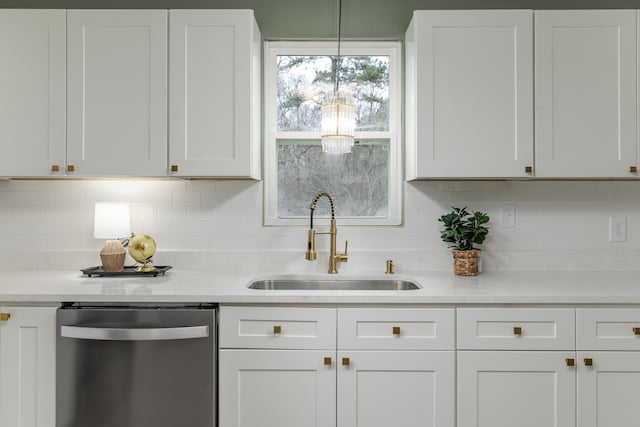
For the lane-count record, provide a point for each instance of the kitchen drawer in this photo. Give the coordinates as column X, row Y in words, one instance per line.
column 277, row 327
column 396, row 329
column 608, row 329
column 516, row 329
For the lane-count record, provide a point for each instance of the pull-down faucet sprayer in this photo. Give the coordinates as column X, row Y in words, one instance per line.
column 333, row 231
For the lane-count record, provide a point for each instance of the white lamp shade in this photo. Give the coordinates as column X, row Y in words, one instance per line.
column 112, row 221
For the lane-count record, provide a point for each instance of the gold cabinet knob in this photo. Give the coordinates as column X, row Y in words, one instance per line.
column 636, row 331
column 174, row 168
column 396, row 330
column 528, row 169
column 633, row 169
column 517, row 330
column 327, row 361
column 346, row 361
column 588, row 361
column 570, row 361
column 5, row 316
column 55, row 168
column 71, row 168
column 277, row 329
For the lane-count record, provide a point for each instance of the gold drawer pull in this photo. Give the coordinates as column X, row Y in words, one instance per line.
column 277, row 329
column 55, row 168
column 570, row 361
column 517, row 330
column 327, row 361
column 636, row 331
column 4, row 316
column 346, row 361
column 71, row 168
column 588, row 361
column 528, row 169
column 396, row 330
column 174, row 168
column 633, row 169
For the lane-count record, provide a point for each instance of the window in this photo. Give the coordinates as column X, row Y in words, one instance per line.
column 366, row 184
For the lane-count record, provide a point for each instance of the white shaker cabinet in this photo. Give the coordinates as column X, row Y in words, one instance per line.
column 27, row 366
column 117, row 92
column 214, row 93
column 285, row 367
column 32, row 92
column 608, row 363
column 469, row 94
column 277, row 367
column 585, row 93
column 516, row 388
column 516, row 367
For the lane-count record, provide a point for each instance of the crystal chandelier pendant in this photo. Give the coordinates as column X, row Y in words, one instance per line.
column 338, row 123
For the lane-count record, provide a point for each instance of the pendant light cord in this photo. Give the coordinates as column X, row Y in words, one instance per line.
column 336, row 85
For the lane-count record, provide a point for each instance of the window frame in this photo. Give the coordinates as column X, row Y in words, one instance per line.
column 273, row 49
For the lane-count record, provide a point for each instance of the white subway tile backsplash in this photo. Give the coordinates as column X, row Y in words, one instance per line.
column 208, row 224
column 185, row 198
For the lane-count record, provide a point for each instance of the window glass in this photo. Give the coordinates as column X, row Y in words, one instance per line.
column 366, row 183
column 303, row 81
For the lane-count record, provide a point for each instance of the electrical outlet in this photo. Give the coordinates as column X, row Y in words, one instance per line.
column 617, row 229
column 507, row 216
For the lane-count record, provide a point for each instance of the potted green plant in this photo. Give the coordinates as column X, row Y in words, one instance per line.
column 462, row 230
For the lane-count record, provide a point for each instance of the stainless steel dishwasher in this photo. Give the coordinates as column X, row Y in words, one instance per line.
column 136, row 365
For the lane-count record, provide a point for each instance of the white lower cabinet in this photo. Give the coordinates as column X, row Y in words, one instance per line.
column 608, row 365
column 277, row 388
column 27, row 366
column 608, row 388
column 377, row 384
column 511, row 388
column 506, row 377
column 395, row 388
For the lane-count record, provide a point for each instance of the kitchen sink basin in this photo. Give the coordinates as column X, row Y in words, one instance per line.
column 334, row 284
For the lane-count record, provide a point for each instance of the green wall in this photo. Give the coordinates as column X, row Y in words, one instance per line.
column 300, row 19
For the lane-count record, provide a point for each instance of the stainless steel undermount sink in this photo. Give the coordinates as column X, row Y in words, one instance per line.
column 337, row 284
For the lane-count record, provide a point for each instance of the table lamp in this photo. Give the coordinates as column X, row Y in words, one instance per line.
column 112, row 221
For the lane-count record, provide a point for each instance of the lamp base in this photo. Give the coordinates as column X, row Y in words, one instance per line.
column 112, row 255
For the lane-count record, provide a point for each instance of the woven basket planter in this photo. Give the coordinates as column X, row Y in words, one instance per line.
column 465, row 263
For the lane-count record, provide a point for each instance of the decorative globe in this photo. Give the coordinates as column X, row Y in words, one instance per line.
column 141, row 248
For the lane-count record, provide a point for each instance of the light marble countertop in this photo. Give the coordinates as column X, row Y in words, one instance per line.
column 231, row 288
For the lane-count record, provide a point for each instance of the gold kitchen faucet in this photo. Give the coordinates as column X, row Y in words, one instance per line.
column 334, row 257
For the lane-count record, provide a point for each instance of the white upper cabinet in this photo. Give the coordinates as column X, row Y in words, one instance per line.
column 32, row 91
column 585, row 93
column 215, row 93
column 117, row 92
column 469, row 93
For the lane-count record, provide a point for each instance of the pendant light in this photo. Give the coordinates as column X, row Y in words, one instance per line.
column 338, row 111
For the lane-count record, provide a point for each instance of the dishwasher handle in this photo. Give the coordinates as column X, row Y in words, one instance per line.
column 134, row 334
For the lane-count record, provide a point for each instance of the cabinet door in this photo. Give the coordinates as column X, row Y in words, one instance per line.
column 608, row 390
column 585, row 67
column 214, row 93
column 469, row 94
column 283, row 388
column 400, row 389
column 32, row 91
column 27, row 367
column 117, row 96
column 508, row 388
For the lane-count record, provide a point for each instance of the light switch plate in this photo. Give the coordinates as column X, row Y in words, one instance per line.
column 507, row 216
